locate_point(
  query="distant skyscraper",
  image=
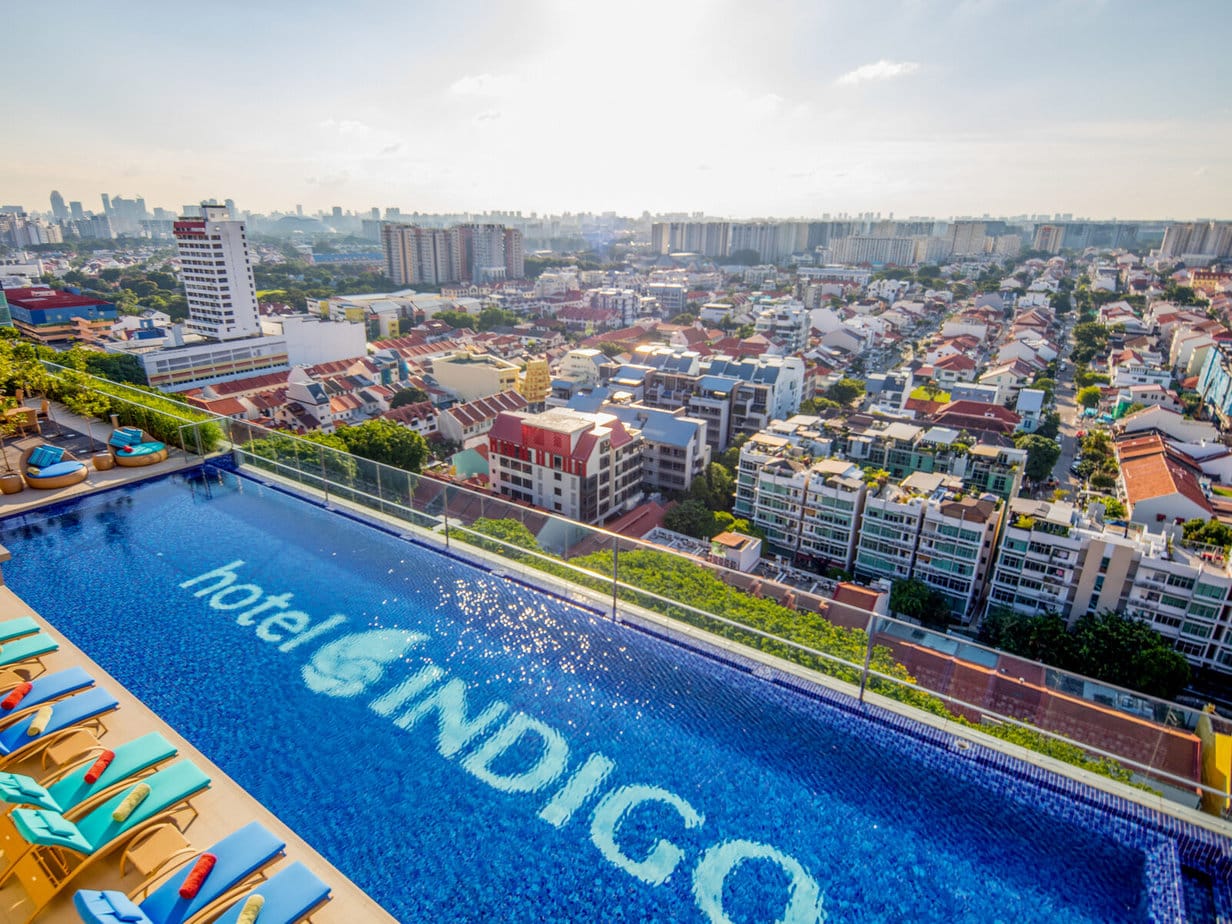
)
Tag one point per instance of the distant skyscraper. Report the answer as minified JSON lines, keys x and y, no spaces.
{"x":432,"y":256}
{"x":374,"y":214}
{"x":76,"y":211}
{"x":336,"y":212}
{"x":106,"y":204}
{"x":230,"y":204}
{"x":966,"y":237}
{"x":217,"y":273}
{"x":58,"y":209}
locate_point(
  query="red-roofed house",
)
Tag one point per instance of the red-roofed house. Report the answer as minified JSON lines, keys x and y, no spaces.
{"x":1159,"y":487}
{"x":584,"y":466}
{"x":976,"y":416}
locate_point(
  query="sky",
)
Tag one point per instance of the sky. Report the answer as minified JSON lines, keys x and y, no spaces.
{"x":789,"y":108}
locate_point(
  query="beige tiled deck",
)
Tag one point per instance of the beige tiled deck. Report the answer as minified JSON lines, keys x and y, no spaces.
{"x":222,"y":808}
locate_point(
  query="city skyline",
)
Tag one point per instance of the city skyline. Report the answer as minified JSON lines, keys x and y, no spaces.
{"x":807,"y":109}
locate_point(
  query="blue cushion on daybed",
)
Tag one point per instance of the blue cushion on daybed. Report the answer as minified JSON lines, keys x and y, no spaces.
{"x":45,"y":455}
{"x":60,"y":468}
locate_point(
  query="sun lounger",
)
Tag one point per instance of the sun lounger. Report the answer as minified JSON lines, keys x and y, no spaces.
{"x":29,"y":648}
{"x":71,"y":794}
{"x":15,"y":739}
{"x":290,"y":896}
{"x":16,"y":628}
{"x":46,"y":689}
{"x":240,"y":857}
{"x":58,"y":849}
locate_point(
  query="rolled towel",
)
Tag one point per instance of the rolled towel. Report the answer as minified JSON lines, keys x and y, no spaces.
{"x":196,"y":876}
{"x":16,"y":695}
{"x":252,"y":908}
{"x":135,"y":797}
{"x":97,"y":768}
{"x":38,"y":724}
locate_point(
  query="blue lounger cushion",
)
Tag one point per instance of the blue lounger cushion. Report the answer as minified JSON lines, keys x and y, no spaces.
{"x":49,"y":688}
{"x":168,"y":788}
{"x":55,"y":471}
{"x":65,"y":714}
{"x":289,"y":895}
{"x":108,"y":908}
{"x":27,"y":648}
{"x":16,"y":628}
{"x":239,"y":855}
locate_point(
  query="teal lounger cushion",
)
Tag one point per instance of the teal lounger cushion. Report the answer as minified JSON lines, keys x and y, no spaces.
{"x":21,"y":790}
{"x":56,"y":470}
{"x":16,"y":628}
{"x":44,"y":456}
{"x":27,"y":647}
{"x":131,"y":758}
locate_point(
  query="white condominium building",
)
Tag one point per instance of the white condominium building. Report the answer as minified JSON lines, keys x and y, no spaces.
{"x":217,"y":273}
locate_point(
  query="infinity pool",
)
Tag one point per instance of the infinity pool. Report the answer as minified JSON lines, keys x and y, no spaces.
{"x":466,"y":748}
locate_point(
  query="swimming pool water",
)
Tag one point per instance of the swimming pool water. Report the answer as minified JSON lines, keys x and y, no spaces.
{"x":585,"y":770}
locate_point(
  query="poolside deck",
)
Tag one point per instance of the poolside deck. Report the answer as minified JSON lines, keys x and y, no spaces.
{"x":223,"y":807}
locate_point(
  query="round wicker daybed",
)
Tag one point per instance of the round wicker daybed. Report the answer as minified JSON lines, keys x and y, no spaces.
{"x":60,"y":474}
{"x":132,"y":448}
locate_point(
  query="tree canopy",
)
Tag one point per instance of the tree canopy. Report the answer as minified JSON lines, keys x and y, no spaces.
{"x":382,"y":440}
{"x":411,"y":395}
{"x":845,"y":391}
{"x":1090,"y":396}
{"x":1042,"y":455}
{"x":913,"y":597}
{"x":1106,"y":646}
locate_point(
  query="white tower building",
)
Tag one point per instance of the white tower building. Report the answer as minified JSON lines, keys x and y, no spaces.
{"x":217,"y":273}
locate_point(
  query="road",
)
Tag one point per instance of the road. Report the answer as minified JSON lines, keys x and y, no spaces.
{"x":1067,"y":407}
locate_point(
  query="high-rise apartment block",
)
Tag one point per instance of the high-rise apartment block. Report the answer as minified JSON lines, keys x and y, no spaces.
{"x":217,"y":271}
{"x":966,"y":237}
{"x":927,"y":529}
{"x":438,"y":256}
{"x":1054,"y":559}
{"x":1198,"y":239}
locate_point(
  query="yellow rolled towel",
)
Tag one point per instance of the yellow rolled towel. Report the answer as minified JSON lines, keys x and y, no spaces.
{"x":135,"y":797}
{"x":38,"y":724}
{"x":252,"y":908}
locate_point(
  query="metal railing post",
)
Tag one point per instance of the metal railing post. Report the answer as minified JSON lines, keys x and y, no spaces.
{"x":445,"y":512}
{"x":615,"y":576}
{"x":324,"y":480}
{"x":868,"y":655}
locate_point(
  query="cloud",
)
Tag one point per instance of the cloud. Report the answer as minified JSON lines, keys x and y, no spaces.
{"x":490,"y":115}
{"x":881,"y":70}
{"x":345,"y":126}
{"x":484,"y":85}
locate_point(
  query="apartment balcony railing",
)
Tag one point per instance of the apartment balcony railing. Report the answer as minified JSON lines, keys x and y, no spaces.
{"x":1163,"y":745}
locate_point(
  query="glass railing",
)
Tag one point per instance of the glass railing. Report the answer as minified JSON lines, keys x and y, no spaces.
{"x":1182,"y":754}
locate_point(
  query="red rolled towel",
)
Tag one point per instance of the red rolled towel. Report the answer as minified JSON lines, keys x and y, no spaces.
{"x":196,"y":876}
{"x":97,"y":768}
{"x":17,"y":694}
